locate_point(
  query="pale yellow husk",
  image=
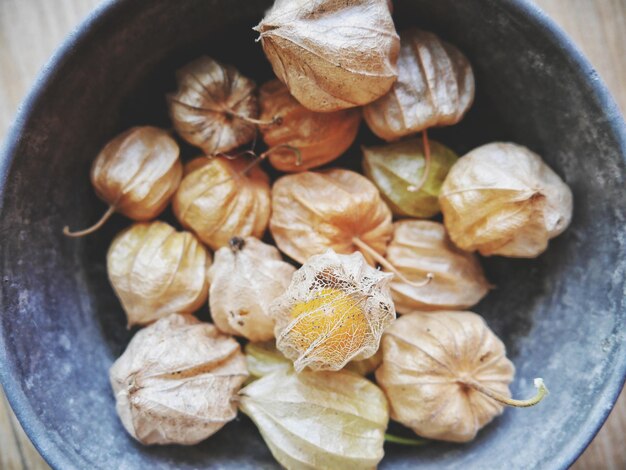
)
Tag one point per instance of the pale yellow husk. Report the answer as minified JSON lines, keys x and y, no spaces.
{"x":502,"y":199}
{"x":331,"y":54}
{"x":315,"y":211}
{"x":435,"y":87}
{"x":420,"y":247}
{"x":246,"y":277}
{"x":155,"y":271}
{"x":176,"y":381}
{"x":137,"y":172}
{"x":217,"y":201}
{"x":319,"y":420}
{"x":426,"y":358}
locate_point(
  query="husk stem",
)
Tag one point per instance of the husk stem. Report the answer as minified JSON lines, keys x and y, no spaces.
{"x":405,"y":441}
{"x":426,"y":143}
{"x":276,"y":120}
{"x":81,"y":233}
{"x":542,"y":391}
{"x":364,"y":247}
{"x":269,"y":151}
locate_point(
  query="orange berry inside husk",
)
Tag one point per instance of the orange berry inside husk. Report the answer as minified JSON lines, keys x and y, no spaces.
{"x":331,"y":326}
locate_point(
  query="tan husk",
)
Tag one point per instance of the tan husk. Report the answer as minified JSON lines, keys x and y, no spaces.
{"x":330,"y":420}
{"x":136,"y":173}
{"x":246,"y":277}
{"x":155,"y":270}
{"x":218,"y":201}
{"x":331,"y":55}
{"x":264,"y":358}
{"x":502,"y":199}
{"x":315,"y":211}
{"x":176,"y":381}
{"x":420,"y":247}
{"x":334,"y":311}
{"x":435,"y":87}
{"x":319,"y":137}
{"x":426,"y":358}
{"x":446,"y":374}
{"x":214,"y":107}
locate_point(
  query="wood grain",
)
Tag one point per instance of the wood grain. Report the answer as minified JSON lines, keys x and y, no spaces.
{"x":30,"y":30}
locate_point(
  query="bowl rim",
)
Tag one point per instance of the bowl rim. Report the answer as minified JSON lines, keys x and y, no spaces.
{"x":29,"y":420}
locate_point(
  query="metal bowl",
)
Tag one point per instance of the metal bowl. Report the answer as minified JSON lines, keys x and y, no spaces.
{"x":562,"y":315}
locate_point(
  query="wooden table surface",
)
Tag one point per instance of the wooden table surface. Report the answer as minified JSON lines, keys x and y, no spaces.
{"x":30,"y":30}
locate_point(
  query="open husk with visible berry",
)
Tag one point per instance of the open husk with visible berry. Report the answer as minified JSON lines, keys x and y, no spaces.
{"x":334,"y":311}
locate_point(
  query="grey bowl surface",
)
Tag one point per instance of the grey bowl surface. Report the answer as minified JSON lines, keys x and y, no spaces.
{"x":562,"y":316}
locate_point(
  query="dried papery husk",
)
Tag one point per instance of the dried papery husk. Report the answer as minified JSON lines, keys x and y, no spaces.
{"x":221,"y":198}
{"x":319,"y":137}
{"x":263,"y":358}
{"x":215,"y":107}
{"x":331,"y":55}
{"x":337,"y":209}
{"x":502,"y":199}
{"x":435,"y":87}
{"x":446,"y":374}
{"x":331,"y":420}
{"x":246,"y":277}
{"x":398,"y":168}
{"x":155,"y":270}
{"x":334,"y":311}
{"x":177,"y":380}
{"x":136,"y":173}
{"x":420,"y":247}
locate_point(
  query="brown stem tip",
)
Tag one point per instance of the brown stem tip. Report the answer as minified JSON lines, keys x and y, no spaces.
{"x":81,"y":233}
{"x":542,"y":392}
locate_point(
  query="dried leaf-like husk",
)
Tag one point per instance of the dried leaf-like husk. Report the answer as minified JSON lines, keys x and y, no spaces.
{"x":426,"y":359}
{"x":332,"y":55}
{"x":334,"y":311}
{"x":420,"y":247}
{"x":246,"y":277}
{"x":217,"y":201}
{"x":315,"y":211}
{"x":502,"y":199}
{"x":137,"y":172}
{"x":264,"y":358}
{"x":435,"y":87}
{"x":319,"y":420}
{"x":318,"y":138}
{"x":155,"y":271}
{"x":176,"y":381}
{"x":396,"y":168}
{"x":210,"y":106}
